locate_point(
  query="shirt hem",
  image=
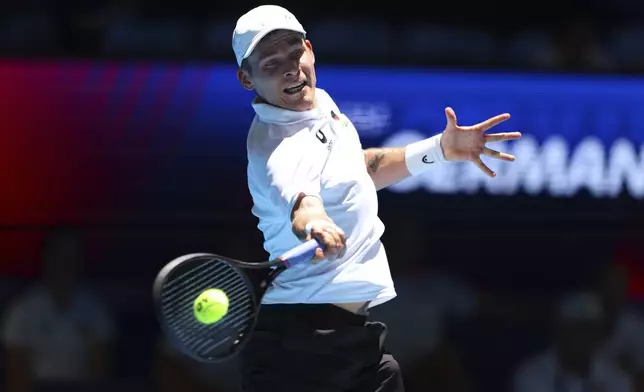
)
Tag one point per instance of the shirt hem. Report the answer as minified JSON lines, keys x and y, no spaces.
{"x":375,"y":299}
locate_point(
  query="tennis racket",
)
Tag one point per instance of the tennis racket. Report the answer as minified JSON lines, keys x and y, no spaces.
{"x":183,"y":279}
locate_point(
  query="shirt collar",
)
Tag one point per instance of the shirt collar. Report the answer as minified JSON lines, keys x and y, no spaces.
{"x":284,"y":122}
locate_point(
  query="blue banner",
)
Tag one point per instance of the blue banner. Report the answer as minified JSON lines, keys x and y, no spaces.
{"x":580,"y":132}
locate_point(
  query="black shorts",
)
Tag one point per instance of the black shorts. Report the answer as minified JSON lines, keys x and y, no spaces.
{"x":317,"y":348}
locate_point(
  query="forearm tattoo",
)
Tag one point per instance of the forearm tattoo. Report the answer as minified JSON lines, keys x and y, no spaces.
{"x":374,"y":161}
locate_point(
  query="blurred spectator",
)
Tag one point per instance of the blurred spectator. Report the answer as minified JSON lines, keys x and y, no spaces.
{"x":418,"y":322}
{"x":623,"y":328}
{"x":57,"y":331}
{"x":86,"y":23}
{"x":578,"y":47}
{"x":573,"y":362}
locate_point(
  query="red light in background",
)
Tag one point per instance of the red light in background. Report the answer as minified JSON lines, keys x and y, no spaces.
{"x":632,"y":258}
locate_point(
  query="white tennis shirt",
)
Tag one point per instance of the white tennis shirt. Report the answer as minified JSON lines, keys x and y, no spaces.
{"x":317,"y":152}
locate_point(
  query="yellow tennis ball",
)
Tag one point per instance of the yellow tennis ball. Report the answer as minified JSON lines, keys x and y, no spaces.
{"x":210,"y":306}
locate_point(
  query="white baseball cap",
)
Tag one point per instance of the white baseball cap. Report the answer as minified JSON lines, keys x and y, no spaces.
{"x":257,"y":23}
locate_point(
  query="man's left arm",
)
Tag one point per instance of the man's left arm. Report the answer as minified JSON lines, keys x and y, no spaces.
{"x":386,"y":166}
{"x":389,"y":165}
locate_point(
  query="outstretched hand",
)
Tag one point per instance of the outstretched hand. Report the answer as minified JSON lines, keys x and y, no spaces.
{"x":467,"y":143}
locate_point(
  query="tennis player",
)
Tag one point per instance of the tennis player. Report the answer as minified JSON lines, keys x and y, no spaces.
{"x":310,"y":178}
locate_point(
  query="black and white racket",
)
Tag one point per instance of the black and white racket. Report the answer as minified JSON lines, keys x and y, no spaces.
{"x":183,"y":279}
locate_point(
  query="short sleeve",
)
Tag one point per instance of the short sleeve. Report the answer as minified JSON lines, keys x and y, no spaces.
{"x":351,"y":130}
{"x":634,"y":340}
{"x":535,"y":374}
{"x":15,"y":325}
{"x":613,"y":378}
{"x":278,"y":179}
{"x":525,"y":381}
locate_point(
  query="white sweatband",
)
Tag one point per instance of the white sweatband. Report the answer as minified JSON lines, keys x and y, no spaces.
{"x":424,"y":155}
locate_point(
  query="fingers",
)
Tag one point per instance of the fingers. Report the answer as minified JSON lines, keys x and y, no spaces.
{"x":502,"y":137}
{"x":479,"y":145}
{"x":451,"y":117}
{"x":494,"y":154}
{"x":479,"y":163}
{"x":319,"y":256}
{"x":333,"y":241}
{"x":498,"y":155}
{"x":492,"y":122}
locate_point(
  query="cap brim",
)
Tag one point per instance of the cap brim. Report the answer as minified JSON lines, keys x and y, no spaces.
{"x":257,"y":38}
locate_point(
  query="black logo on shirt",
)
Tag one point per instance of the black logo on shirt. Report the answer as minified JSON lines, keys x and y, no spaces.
{"x":321,"y":136}
{"x":425,"y":160}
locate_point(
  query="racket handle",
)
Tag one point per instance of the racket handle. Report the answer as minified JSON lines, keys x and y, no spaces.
{"x":300,"y":253}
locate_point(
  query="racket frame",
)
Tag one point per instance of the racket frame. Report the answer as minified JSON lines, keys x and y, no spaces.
{"x":297,"y":255}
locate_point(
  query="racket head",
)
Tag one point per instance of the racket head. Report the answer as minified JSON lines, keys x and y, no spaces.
{"x":182,"y":280}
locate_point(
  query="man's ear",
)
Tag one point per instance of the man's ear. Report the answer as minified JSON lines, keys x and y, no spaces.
{"x":244,"y":79}
{"x":307,"y":43}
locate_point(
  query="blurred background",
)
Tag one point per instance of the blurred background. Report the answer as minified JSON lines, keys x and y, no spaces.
{"x":123,"y":146}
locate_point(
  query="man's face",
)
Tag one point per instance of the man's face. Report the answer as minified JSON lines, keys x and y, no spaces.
{"x":282,"y":71}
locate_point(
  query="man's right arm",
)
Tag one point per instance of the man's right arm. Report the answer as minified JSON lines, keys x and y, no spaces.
{"x":307,"y":209}
{"x":310,"y":220}
{"x":288,"y":182}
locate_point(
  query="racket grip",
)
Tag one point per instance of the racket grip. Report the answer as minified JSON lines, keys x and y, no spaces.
{"x":300,"y":253}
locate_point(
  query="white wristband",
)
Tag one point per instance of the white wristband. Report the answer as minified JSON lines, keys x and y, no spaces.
{"x":424,"y":155}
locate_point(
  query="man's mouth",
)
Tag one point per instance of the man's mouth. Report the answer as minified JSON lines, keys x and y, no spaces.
{"x":294,"y":89}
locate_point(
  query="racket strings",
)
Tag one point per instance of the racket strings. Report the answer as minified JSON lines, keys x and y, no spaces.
{"x":206,"y":338}
{"x":234,"y":318}
{"x":235,"y":291}
{"x":179,"y":293}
